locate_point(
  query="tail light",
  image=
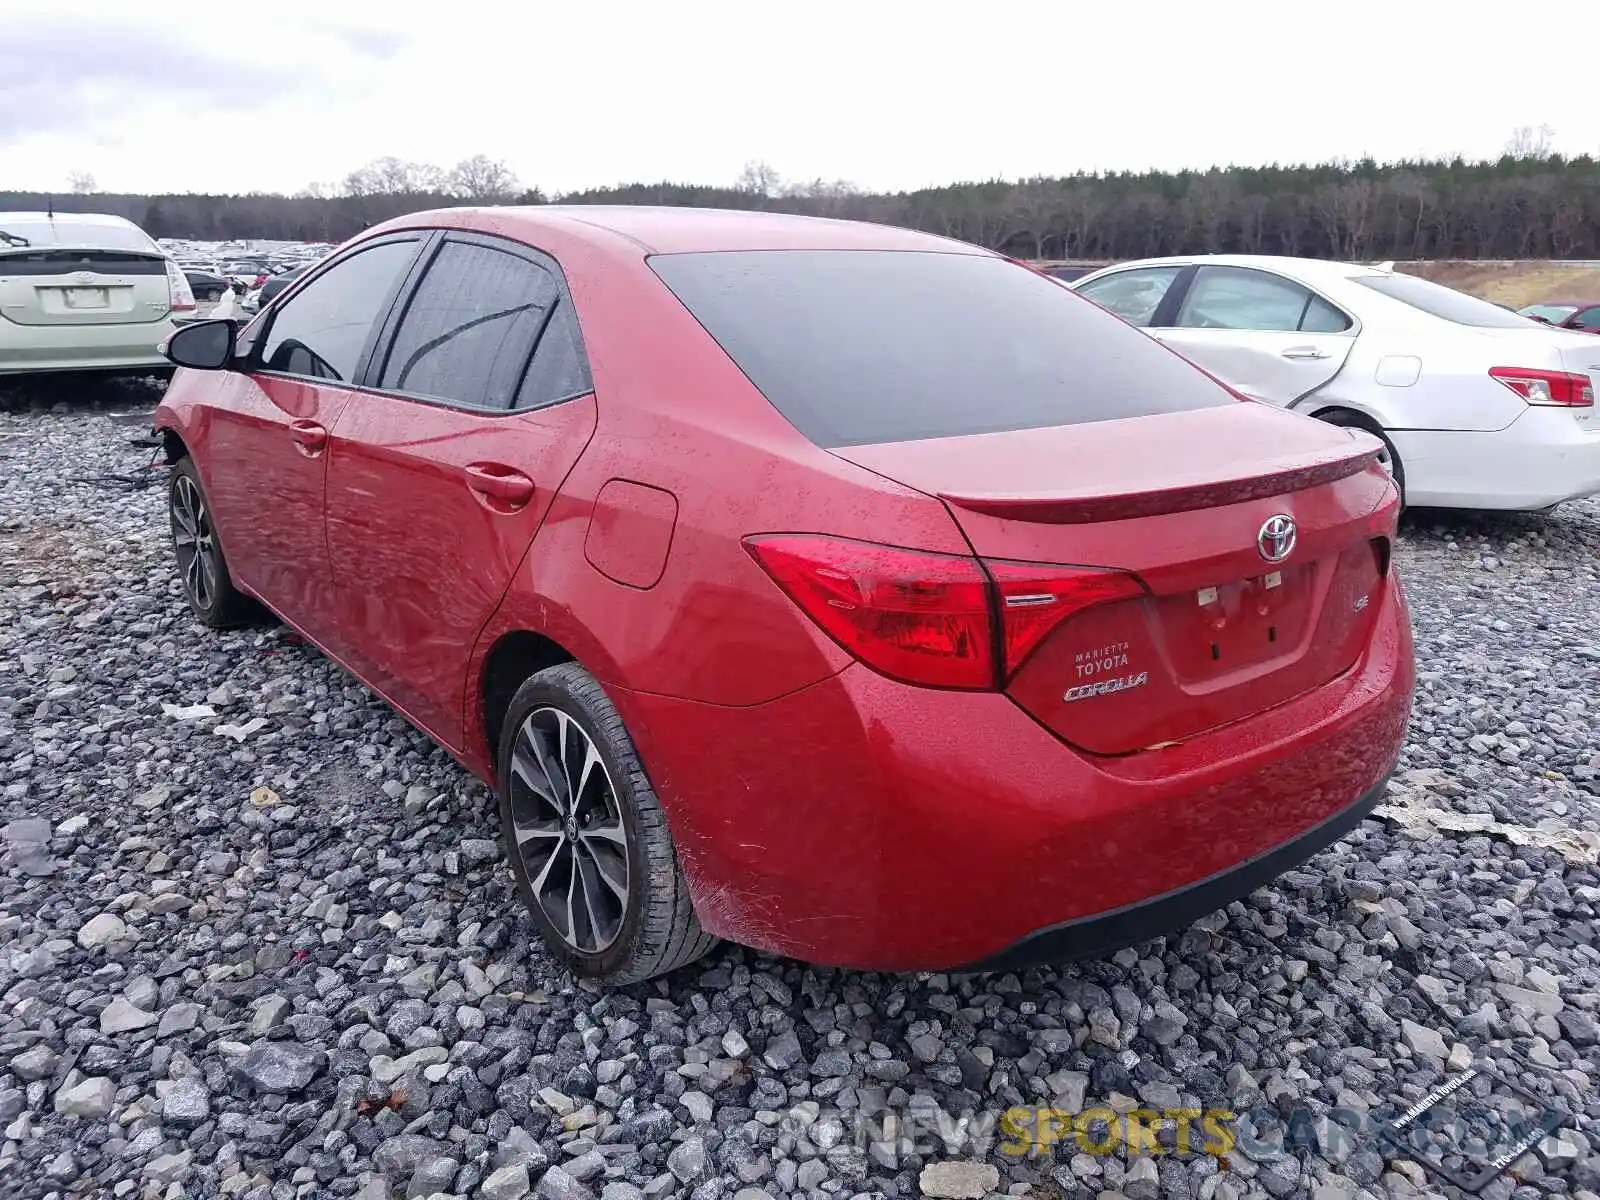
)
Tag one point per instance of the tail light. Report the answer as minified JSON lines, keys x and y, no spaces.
{"x":1557,"y":389}
{"x":937,"y":620}
{"x":179,"y":295}
{"x":1034,"y":598}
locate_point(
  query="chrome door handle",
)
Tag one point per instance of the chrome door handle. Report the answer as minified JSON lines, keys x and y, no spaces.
{"x":1304,"y":352}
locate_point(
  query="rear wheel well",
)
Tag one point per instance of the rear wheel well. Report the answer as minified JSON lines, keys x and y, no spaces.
{"x":513,"y":659}
{"x":1348,"y":416}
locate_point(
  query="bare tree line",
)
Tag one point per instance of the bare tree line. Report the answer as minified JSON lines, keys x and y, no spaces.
{"x":1528,"y":203}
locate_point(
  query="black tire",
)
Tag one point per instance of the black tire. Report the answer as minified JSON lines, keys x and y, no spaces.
{"x":202,"y":566}
{"x":654,"y":929}
{"x":1349,"y":420}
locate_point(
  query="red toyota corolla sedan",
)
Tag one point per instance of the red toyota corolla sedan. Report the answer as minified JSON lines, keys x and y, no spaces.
{"x":840,"y":590}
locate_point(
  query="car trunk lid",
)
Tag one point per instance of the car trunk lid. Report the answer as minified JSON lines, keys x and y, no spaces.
{"x":62,"y":285}
{"x":1210,"y":630}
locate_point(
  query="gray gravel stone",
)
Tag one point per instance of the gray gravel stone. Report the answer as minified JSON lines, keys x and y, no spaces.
{"x":88,"y":1098}
{"x":689,"y":1161}
{"x":316,"y":920}
{"x":1424,"y":1041}
{"x":398,"y":1156}
{"x":280,"y":1066}
{"x":36,"y":1063}
{"x":168,"y":1168}
{"x":556,"y":1184}
{"x":120,"y":1016}
{"x":101,"y":930}
{"x":959,"y":1180}
{"x":433,"y":1174}
{"x":186,"y":1104}
{"x":506,"y":1183}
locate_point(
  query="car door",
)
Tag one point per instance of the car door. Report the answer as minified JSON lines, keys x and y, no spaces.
{"x":1270,"y":337}
{"x":440,"y":471}
{"x":266,"y":441}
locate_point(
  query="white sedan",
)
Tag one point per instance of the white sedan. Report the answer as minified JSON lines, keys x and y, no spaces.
{"x":1478,"y":407}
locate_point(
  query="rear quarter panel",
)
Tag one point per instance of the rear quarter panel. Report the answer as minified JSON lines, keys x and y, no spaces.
{"x":676,"y":415}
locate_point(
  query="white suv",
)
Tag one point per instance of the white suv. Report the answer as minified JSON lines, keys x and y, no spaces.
{"x":84,"y":292}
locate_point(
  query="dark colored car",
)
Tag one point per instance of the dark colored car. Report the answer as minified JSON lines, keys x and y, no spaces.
{"x":840,"y":590}
{"x":207,"y":286}
{"x":1582,"y":315}
{"x":277,"y":283}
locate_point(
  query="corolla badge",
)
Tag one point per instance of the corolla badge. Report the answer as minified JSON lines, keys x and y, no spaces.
{"x":1276,"y":538}
{"x":1105,"y":687}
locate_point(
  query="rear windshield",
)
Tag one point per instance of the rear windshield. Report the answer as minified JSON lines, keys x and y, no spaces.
{"x":64,"y":231}
{"x":857,"y":347}
{"x":1445,"y":303}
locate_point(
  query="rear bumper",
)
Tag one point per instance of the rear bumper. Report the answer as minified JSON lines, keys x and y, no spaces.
{"x":1542,"y":458}
{"x":28,"y":349}
{"x":1168,"y":913}
{"x":863,"y":823}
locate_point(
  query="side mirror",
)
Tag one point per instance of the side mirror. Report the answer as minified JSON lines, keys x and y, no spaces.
{"x":203,"y":345}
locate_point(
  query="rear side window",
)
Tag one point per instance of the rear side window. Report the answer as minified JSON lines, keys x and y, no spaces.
{"x":559,"y":370}
{"x":321,"y":330}
{"x":1247,"y":299}
{"x":1445,"y":303}
{"x":856,"y":347}
{"x":470,"y":326}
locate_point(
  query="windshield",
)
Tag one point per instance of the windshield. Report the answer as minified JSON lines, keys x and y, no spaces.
{"x":1445,"y":303}
{"x":857,"y":347}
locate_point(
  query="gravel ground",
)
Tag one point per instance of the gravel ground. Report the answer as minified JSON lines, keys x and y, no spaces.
{"x":268,"y":950}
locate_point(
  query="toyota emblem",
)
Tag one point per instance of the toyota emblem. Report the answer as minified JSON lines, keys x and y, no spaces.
{"x":1276,"y":539}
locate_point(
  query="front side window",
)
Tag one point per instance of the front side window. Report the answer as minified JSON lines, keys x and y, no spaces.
{"x":470,"y":326}
{"x":321,"y":331}
{"x":1246,"y":299}
{"x":1589,"y":318}
{"x":1133,"y":295}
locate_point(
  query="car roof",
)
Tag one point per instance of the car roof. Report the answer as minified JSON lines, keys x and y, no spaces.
{"x":1310,"y":270}
{"x":36,"y":219}
{"x":1562,"y":304}
{"x":41,"y":229}
{"x":673,"y":230}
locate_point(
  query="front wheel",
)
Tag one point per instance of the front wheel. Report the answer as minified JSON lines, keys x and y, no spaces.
{"x":201,"y":564}
{"x":1389,"y":458}
{"x":586,"y":836}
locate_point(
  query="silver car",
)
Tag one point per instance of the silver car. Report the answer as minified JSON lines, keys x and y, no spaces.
{"x":85,"y":292}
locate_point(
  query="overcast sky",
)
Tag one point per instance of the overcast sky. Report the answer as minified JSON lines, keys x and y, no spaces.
{"x":273,"y":96}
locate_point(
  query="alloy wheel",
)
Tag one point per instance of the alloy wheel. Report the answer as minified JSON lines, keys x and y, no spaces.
{"x":569,"y":830}
{"x":195,"y":542}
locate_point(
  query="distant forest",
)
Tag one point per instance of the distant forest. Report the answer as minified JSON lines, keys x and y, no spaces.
{"x":1529,"y":203}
